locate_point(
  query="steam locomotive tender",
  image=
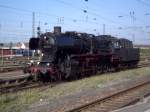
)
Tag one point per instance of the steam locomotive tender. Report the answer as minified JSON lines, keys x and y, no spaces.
{"x":73,"y":55}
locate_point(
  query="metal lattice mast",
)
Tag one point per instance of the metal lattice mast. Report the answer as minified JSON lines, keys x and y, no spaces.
{"x":33,"y":24}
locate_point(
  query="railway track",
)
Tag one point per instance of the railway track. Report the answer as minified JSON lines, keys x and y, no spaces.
{"x":144,"y":58}
{"x":10,"y":85}
{"x":21,"y":83}
{"x":10,"y":68}
{"x":15,"y":85}
{"x":24,"y":86}
{"x":118,"y":100}
{"x":140,"y":65}
{"x":15,"y":64}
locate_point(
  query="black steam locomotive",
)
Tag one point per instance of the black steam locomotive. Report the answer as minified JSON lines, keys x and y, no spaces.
{"x":74,"y":55}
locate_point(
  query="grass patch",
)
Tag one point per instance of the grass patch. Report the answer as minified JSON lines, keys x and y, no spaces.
{"x":145,"y":52}
{"x":19,"y":102}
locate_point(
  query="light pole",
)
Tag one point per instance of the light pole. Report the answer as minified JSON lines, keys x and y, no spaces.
{"x":10,"y":47}
{"x":104,"y":26}
{"x":86,"y":11}
{"x":46,"y":26}
{"x":28,"y":50}
{"x":2,"y":61}
{"x":132,"y":15}
{"x":60,"y":20}
{"x":2,"y":55}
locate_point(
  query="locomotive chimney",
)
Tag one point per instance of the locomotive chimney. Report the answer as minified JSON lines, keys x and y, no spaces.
{"x":57,"y":30}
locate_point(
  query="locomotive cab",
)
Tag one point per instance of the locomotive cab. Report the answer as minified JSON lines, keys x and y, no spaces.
{"x":107,"y":44}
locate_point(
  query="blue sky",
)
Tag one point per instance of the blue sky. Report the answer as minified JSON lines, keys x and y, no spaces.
{"x":122,"y":18}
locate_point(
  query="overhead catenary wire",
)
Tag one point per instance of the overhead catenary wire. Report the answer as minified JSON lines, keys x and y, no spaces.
{"x":45,"y":14}
{"x":95,"y":15}
{"x":42,"y":13}
{"x":67,"y":18}
{"x":88,"y":11}
{"x":98,"y":15}
{"x":144,"y":3}
{"x":123,"y":14}
{"x":74,"y":20}
{"x":66,"y":3}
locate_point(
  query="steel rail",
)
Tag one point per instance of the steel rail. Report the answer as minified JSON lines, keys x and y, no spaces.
{"x":117,"y":100}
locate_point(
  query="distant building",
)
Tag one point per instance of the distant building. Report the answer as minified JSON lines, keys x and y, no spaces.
{"x":13,"y":49}
{"x":21,"y":45}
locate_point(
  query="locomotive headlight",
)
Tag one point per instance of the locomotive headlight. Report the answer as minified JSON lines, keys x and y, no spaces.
{"x":38,"y":63}
{"x":31,"y":61}
{"x":44,"y":37}
{"x":48,"y":64}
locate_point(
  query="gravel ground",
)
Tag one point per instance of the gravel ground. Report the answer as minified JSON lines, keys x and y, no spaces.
{"x":69,"y":102}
